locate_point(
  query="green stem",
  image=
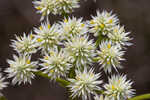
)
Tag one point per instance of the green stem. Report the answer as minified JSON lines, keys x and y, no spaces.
{"x":61,"y":81}
{"x":3,"y":98}
{"x":141,"y":97}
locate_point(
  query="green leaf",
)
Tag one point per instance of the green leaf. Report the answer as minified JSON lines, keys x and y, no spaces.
{"x":3,"y":98}
{"x":141,"y":97}
{"x":61,"y":81}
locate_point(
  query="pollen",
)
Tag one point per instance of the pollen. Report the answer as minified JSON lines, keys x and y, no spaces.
{"x":82,"y":25}
{"x":110,"y":21}
{"x":28,"y":61}
{"x":92,"y":22}
{"x":46,"y":57}
{"x":102,"y":25}
{"x":108,"y":45}
{"x":39,"y":40}
{"x":49,"y":26}
{"x":40,"y":27}
{"x":113,"y":87}
{"x":51,"y":71}
{"x":65,"y":20}
{"x":38,"y":8}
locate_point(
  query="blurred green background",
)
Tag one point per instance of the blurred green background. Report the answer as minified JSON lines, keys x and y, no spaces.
{"x":18,"y":16}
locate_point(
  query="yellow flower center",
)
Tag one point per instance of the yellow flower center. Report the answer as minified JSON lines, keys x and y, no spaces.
{"x":28,"y":61}
{"x":49,"y":26}
{"x":39,"y":40}
{"x":38,"y":8}
{"x":40,"y":27}
{"x":108,"y":45}
{"x":92,"y":22}
{"x":82,"y":25}
{"x":65,"y":20}
{"x":102,"y":25}
{"x":110,"y":21}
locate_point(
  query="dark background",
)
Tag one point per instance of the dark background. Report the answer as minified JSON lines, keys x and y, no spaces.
{"x":18,"y":16}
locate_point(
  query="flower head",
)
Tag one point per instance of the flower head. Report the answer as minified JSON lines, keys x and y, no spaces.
{"x":102,"y":23}
{"x":101,"y":97}
{"x":25,"y":45}
{"x":47,"y":36}
{"x":2,"y":84}
{"x":56,"y":64}
{"x":21,"y":69}
{"x":81,"y":50}
{"x":73,"y":27}
{"x":119,"y":88}
{"x":109,"y":55}
{"x":119,"y":36}
{"x":84,"y":84}
{"x":45,"y":7}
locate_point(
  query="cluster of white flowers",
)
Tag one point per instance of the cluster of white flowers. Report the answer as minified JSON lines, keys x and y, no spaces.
{"x":69,"y":52}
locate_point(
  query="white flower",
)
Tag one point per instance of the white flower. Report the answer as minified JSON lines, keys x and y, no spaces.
{"x":84,"y":84}
{"x":56,"y":64}
{"x":119,"y":88}
{"x":25,"y":45}
{"x":47,"y":36}
{"x":2,"y":84}
{"x":21,"y":69}
{"x":73,"y":27}
{"x":109,"y":56}
{"x":102,"y":23}
{"x":118,"y":35}
{"x":55,"y":6}
{"x":101,"y":97}
{"x":81,"y":50}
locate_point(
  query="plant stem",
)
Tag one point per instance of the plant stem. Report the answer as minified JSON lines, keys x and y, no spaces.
{"x":61,"y":81}
{"x":3,"y":98}
{"x":141,"y":97}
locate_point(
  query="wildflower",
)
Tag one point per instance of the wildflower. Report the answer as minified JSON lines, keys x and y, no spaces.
{"x":119,"y":36}
{"x":2,"y":84}
{"x":56,"y":63}
{"x":101,"y":97}
{"x":73,"y":27}
{"x":103,"y":23}
{"x":24,"y":45}
{"x":81,"y":50}
{"x":45,"y":7}
{"x":84,"y":84}
{"x":21,"y":69}
{"x":119,"y":88}
{"x":47,"y":36}
{"x":109,"y":56}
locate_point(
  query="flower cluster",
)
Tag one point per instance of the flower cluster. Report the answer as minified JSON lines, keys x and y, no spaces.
{"x":21,"y":69}
{"x":81,"y":50}
{"x":56,"y":63}
{"x":119,"y":88}
{"x":85,"y":82}
{"x":73,"y":27}
{"x":109,"y":55}
{"x":45,"y":7}
{"x":25,"y":44}
{"x":47,"y":36}
{"x":69,"y":54}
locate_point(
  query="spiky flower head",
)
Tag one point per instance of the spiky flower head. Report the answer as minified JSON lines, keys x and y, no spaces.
{"x":84,"y":84}
{"x":73,"y":27}
{"x":56,"y":64}
{"x":103,"y":23}
{"x":81,"y":50}
{"x":47,"y":36}
{"x":119,"y":88}
{"x":2,"y":84}
{"x":101,"y":97}
{"x":25,"y":45}
{"x":109,"y":56}
{"x":119,"y":36}
{"x":21,"y":69}
{"x":45,"y":7}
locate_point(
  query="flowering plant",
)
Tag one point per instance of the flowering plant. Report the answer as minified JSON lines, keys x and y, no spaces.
{"x":70,"y":49}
